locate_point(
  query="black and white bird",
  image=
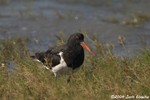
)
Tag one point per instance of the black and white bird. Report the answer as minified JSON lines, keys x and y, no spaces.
{"x":67,"y":56}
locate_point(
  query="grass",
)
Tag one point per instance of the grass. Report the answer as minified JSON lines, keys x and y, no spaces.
{"x":4,"y":2}
{"x":97,"y":79}
{"x":136,"y":19}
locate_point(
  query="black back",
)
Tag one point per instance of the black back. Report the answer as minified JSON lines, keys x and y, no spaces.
{"x":73,"y":53}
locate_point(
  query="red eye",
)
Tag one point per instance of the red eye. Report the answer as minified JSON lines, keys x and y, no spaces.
{"x":77,"y":37}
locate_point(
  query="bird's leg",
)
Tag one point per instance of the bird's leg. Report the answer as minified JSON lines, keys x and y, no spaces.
{"x":68,"y":79}
{"x":70,"y":76}
{"x":55,"y":74}
{"x":56,"y":78}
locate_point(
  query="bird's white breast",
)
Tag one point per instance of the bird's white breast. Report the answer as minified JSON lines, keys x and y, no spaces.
{"x":61,"y":67}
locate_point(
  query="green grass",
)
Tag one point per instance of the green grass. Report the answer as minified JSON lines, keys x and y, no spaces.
{"x":97,"y":79}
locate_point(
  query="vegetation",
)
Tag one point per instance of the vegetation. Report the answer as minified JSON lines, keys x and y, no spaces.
{"x":3,"y":2}
{"x":98,"y":78}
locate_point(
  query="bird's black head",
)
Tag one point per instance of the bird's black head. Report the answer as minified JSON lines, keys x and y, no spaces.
{"x":75,"y":39}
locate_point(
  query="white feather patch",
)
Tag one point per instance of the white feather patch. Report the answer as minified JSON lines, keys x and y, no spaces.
{"x":60,"y":67}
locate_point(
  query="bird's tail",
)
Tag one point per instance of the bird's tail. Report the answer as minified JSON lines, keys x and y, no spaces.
{"x":33,"y":57}
{"x":39,"y":56}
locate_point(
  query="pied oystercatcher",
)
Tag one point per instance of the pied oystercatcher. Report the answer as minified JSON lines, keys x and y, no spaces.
{"x":69,"y":55}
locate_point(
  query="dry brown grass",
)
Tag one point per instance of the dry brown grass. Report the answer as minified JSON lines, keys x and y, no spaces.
{"x":97,"y":79}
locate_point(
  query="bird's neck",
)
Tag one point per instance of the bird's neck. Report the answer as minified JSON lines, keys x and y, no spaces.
{"x":77,"y":49}
{"x":73,"y":46}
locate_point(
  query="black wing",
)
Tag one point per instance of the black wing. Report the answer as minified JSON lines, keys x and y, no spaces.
{"x":55,"y":50}
{"x":40,"y":56}
{"x":52,"y":54}
{"x":50,"y":57}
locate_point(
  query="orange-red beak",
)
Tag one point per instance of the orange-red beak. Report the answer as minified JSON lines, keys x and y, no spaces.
{"x":87,"y":48}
